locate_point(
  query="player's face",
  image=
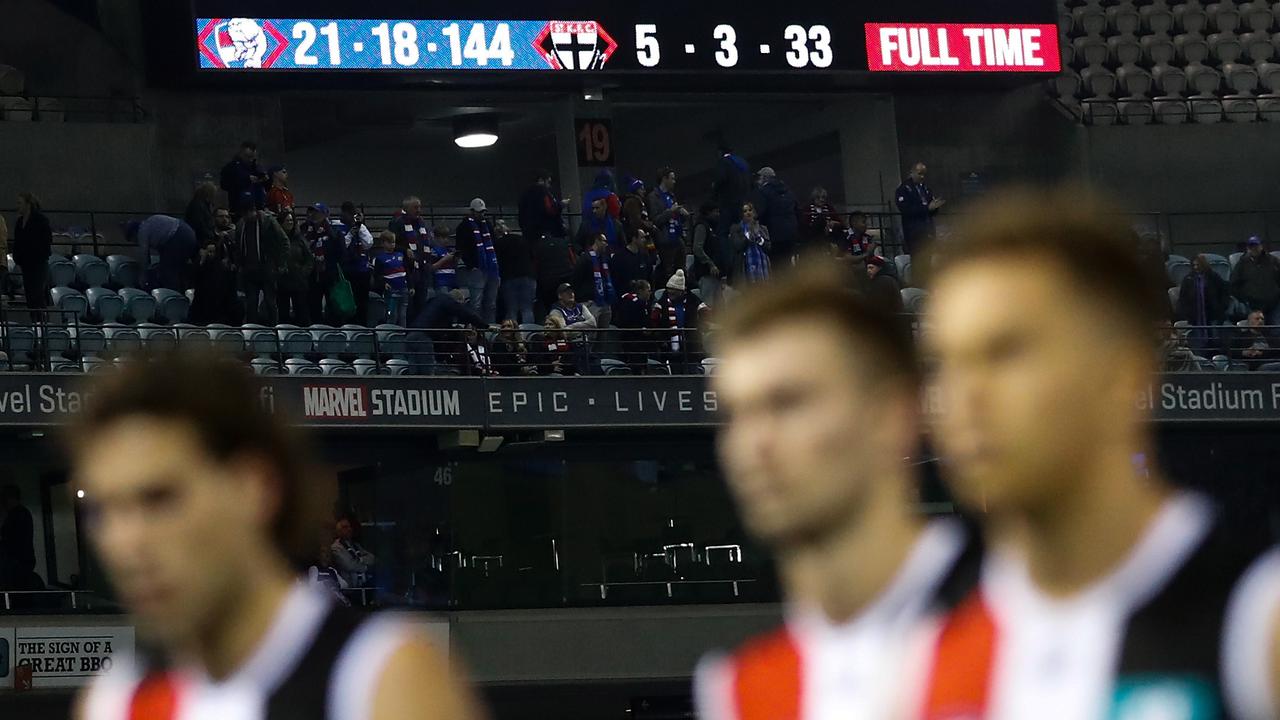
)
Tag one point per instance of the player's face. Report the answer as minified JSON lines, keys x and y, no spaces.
{"x":173,"y":527}
{"x":1030,"y":378}
{"x":793,"y":449}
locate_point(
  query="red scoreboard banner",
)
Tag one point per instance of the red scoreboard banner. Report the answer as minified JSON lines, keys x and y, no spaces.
{"x":962,"y":47}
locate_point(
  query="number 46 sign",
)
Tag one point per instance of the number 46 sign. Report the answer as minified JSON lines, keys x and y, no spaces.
{"x":595,"y":143}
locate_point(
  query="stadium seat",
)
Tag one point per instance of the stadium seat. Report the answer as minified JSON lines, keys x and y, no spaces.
{"x":1190,"y":18}
{"x":1124,"y":50}
{"x":1269,"y":107}
{"x":1100,"y":112}
{"x":392,"y":340}
{"x":157,"y":337}
{"x":67,"y":367}
{"x":1240,"y":108}
{"x":328,"y":341}
{"x":329,"y":366}
{"x":124,"y":271}
{"x":227,"y":338}
{"x":360,"y":341}
{"x":294,"y":341}
{"x":913,"y":300}
{"x":1234,"y":259}
{"x":57,"y":341}
{"x":1258,"y":47}
{"x":1269,"y":367}
{"x":138,"y":305}
{"x":377,"y":310}
{"x":657,"y":367}
{"x":1171,"y":81}
{"x":1099,"y":82}
{"x":105,"y":305}
{"x":265,"y":366}
{"x":1241,"y":78}
{"x":70,"y":303}
{"x":1177,"y":268}
{"x":710,"y":366}
{"x":365,"y":366}
{"x":1158,"y":49}
{"x":1171,"y":110}
{"x":1269,"y":76}
{"x":1223,"y":16}
{"x":1124,"y":19}
{"x":260,"y":340}
{"x":1275,"y":254}
{"x":62,"y":272}
{"x":1089,"y":20}
{"x":1090,"y":51}
{"x":20,"y":343}
{"x":1256,"y":16}
{"x":1157,"y":19}
{"x":1136,"y":111}
{"x":122,"y":339}
{"x":172,"y":306}
{"x":903,"y":265}
{"x":1220,"y":265}
{"x":1204,"y":80}
{"x":89,"y":340}
{"x":91,"y":270}
{"x":191,"y":337}
{"x":398,"y":367}
{"x":613,"y":366}
{"x":1134,"y":81}
{"x":1192,"y":49}
{"x":1225,"y":47}
{"x":94,"y":364}
{"x":1066,"y":85}
{"x":298,"y":366}
{"x":1174,"y":292}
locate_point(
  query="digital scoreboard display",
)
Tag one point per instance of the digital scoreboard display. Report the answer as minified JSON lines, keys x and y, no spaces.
{"x":1013,"y":36}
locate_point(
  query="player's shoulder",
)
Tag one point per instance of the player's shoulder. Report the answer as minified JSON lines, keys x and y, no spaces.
{"x":766,"y":663}
{"x":377,"y":650}
{"x":109,"y":696}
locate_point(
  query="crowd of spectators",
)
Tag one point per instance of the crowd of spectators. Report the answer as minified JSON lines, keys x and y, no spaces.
{"x":1250,"y":298}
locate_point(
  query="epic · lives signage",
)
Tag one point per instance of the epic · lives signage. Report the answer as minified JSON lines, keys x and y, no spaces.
{"x":949,"y":47}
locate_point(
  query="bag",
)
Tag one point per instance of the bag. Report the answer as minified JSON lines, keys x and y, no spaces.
{"x":342,"y":302}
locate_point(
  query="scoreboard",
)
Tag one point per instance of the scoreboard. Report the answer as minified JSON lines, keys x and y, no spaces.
{"x":709,"y":37}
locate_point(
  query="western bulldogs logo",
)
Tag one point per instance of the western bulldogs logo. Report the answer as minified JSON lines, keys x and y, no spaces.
{"x":575,"y":45}
{"x":241,"y":43}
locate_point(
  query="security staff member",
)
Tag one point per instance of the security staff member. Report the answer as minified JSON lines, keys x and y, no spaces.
{"x":917,"y":205}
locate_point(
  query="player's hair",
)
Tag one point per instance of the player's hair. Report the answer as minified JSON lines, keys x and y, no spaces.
{"x":1082,"y":237}
{"x":881,"y":341}
{"x":218,"y":399}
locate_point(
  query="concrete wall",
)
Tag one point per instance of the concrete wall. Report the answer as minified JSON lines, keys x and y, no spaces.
{"x":79,"y":165}
{"x":79,"y":61}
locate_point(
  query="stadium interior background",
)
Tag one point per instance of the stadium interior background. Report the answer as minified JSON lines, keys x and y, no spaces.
{"x":579,"y":572}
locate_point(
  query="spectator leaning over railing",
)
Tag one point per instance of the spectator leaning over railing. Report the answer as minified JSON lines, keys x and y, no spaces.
{"x":515,"y":263}
{"x":1203,"y":301}
{"x":327,"y":251}
{"x":32,"y":246}
{"x":172,"y":242}
{"x":1256,"y":344}
{"x":392,"y":270}
{"x":200,"y":212}
{"x":751,"y":246}
{"x":593,"y":281}
{"x":260,"y":245}
{"x":357,"y":247}
{"x":299,"y":266}
{"x":1255,"y":280}
{"x":279,"y":196}
{"x":541,"y":213}
{"x":475,"y":249}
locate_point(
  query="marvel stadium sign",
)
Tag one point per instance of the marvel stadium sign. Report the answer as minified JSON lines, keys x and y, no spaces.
{"x":453,"y":403}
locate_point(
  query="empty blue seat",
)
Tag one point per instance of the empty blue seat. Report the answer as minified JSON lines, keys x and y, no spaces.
{"x":70,"y":304}
{"x":121,"y":339}
{"x":20,"y":343}
{"x":364,"y":366}
{"x":336,"y":367}
{"x":360,"y":340}
{"x":124,"y":271}
{"x":157,"y":338}
{"x":377,"y":310}
{"x":294,"y":341}
{"x":266,"y":366}
{"x":61,"y":271}
{"x":105,"y":305}
{"x":227,"y":338}
{"x":91,"y":270}
{"x":171,"y":305}
{"x":328,"y":341}
{"x":913,"y":300}
{"x":139,"y":307}
{"x":89,"y":340}
{"x":298,"y":366}
{"x":57,"y":341}
{"x":261,"y":340}
{"x":193,"y":338}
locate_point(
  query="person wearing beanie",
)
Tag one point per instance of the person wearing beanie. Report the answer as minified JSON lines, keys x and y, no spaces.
{"x":676,"y":312}
{"x":1255,"y":280}
{"x":882,"y":288}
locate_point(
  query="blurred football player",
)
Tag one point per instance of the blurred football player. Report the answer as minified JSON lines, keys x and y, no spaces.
{"x":200,"y":510}
{"x":1106,"y":593}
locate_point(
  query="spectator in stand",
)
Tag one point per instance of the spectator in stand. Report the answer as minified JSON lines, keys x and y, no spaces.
{"x":576,"y":316}
{"x":675,"y":313}
{"x":519,"y":284}
{"x":279,"y":196}
{"x":200,"y":213}
{"x":553,"y":259}
{"x":730,"y":188}
{"x":327,"y":251}
{"x":350,"y":557}
{"x":1202,"y":301}
{"x":820,"y":225}
{"x":510,"y":353}
{"x":710,"y":261}
{"x":1256,"y":344}
{"x":172,"y":242}
{"x":244,"y":180}
{"x":553,"y":354}
{"x":604,"y":188}
{"x":882,"y":290}
{"x":223,"y":226}
{"x":777,"y":210}
{"x":440,"y":313}
{"x":17,"y":543}
{"x":917,"y":205}
{"x":635,"y":211}
{"x":541,"y":213}
{"x":672,"y":221}
{"x":632,"y":310}
{"x":32,"y":246}
{"x":439,"y":268}
{"x":217,"y":300}
{"x":413,"y":233}
{"x":1255,"y":281}
{"x":593,"y":280}
{"x":751,"y":245}
{"x":391,"y":267}
{"x":599,"y":222}
{"x":477,"y":361}
{"x":260,"y":246}
{"x":476,"y":250}
{"x":4,"y":251}
{"x":1174,"y":353}
{"x":357,"y":243}
{"x":855,"y":247}
{"x":299,"y":266}
{"x":633,"y":261}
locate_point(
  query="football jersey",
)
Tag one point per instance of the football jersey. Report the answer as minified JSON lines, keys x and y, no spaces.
{"x":316,"y":662}
{"x":813,"y":669}
{"x":1180,"y":630}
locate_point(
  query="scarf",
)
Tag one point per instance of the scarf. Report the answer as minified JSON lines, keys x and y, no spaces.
{"x":675,"y":226}
{"x":676,"y":314}
{"x":487,"y":256}
{"x":757,"y":262}
{"x":480,"y":359}
{"x":605,"y":293}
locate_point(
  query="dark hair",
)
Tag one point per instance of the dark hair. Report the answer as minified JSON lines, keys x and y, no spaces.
{"x":249,"y":145}
{"x":639,"y":284}
{"x":856,"y":214}
{"x":707,"y":208}
{"x":663,"y":173}
{"x":30,"y":199}
{"x":348,"y":207}
{"x":218,"y":398}
{"x":542,"y":175}
{"x":884,"y":343}
{"x":1071,"y":228}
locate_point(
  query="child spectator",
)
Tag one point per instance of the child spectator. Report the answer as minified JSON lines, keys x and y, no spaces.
{"x":389,"y":266}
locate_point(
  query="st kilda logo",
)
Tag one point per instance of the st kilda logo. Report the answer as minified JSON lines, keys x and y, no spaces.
{"x":575,"y":45}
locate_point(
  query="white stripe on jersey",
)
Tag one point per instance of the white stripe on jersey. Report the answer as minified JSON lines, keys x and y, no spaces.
{"x":359,"y":667}
{"x":1250,"y":630}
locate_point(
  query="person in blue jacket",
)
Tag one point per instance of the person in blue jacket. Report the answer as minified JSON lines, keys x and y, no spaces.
{"x":917,"y":205}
